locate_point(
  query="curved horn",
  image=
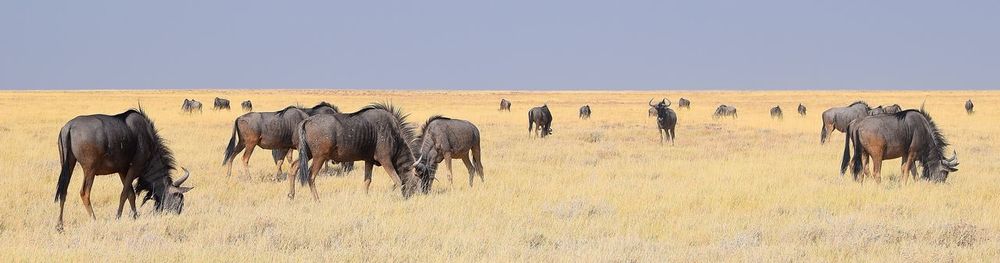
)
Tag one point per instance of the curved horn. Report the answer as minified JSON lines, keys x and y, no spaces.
{"x":420,"y":158}
{"x":183,"y":178}
{"x":954,"y":156}
{"x":651,"y":103}
{"x":667,"y":101}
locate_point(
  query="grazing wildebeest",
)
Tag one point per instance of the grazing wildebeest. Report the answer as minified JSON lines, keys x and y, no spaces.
{"x":968,"y":107}
{"x":585,"y":112}
{"x":541,"y":117}
{"x":504,"y":105}
{"x":838,"y":118}
{"x":652,"y":112}
{"x":247,"y":106}
{"x":776,"y":113}
{"x":444,"y":139}
{"x":126,"y":144}
{"x":378,"y":134}
{"x":723,"y":111}
{"x":802,"y":110}
{"x":221,"y":104}
{"x":666,"y":120}
{"x":910,"y":134}
{"x":190,"y":106}
{"x":683,"y":104}
{"x":273,"y":131}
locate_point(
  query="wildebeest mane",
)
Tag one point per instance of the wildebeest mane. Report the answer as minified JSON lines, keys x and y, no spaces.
{"x":161,"y":159}
{"x":858,"y":102}
{"x":406,"y":129}
{"x":419,"y":139}
{"x":324,"y":104}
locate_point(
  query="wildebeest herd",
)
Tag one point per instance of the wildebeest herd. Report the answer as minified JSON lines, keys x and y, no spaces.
{"x":379,"y":135}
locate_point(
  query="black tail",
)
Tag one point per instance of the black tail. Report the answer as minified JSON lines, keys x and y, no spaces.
{"x":847,"y":152}
{"x":823,"y":133}
{"x":858,"y":155}
{"x":231,"y":149}
{"x":68,"y":163}
{"x":303,"y":155}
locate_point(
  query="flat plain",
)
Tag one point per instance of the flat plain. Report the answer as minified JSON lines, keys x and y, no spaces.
{"x":603,"y":189}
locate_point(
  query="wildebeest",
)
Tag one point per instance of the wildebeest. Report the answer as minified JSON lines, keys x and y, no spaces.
{"x":190,"y":106}
{"x":910,"y":134}
{"x":885,"y":109}
{"x":724,"y":111}
{"x":444,"y":139}
{"x":838,"y":118}
{"x":221,"y":104}
{"x":683,"y":104}
{"x":273,"y":131}
{"x":968,"y":107}
{"x":802,"y":110}
{"x":127,"y":144}
{"x":666,"y":120}
{"x":585,"y":112}
{"x":378,"y":134}
{"x":247,"y":106}
{"x":504,"y":105}
{"x":776,"y":112}
{"x":542,"y":118}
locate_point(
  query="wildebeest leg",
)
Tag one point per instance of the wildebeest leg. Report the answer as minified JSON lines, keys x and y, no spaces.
{"x":531,"y":125}
{"x":468,"y":165}
{"x":477,"y":158}
{"x":121,"y":201}
{"x":391,"y":170}
{"x":672,"y":131}
{"x":877,"y":167}
{"x":368,"y":175}
{"x":279,"y":159}
{"x":447,"y":163}
{"x":246,"y":158}
{"x":313,"y":171}
{"x":128,"y":192}
{"x":88,"y":183}
{"x":659,"y":133}
{"x":239,"y":147}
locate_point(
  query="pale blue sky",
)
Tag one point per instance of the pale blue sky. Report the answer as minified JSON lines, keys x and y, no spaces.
{"x":565,"y":44}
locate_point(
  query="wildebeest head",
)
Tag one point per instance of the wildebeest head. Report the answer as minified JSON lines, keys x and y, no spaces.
{"x":660,"y":106}
{"x":938,"y":171}
{"x":426,"y":167}
{"x":169,"y":196}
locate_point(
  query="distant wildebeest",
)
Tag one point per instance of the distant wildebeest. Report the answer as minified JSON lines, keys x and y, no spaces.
{"x":444,"y":139}
{"x":504,"y":105}
{"x":190,"y":106}
{"x":683,"y":104}
{"x":910,"y":134}
{"x":273,"y":131}
{"x":585,"y":112}
{"x":221,"y":104}
{"x":838,"y":118}
{"x":968,"y":107}
{"x":541,"y":119}
{"x":666,"y":120}
{"x":247,"y":106}
{"x":885,"y":109}
{"x":126,"y":144}
{"x":378,"y":134}
{"x":776,"y":113}
{"x":652,"y":112}
{"x":802,"y":110}
{"x":724,"y":111}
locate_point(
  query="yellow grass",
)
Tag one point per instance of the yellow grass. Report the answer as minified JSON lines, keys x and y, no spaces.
{"x":602,"y":189}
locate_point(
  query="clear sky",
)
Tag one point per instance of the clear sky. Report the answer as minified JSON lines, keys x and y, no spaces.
{"x":510,"y":44}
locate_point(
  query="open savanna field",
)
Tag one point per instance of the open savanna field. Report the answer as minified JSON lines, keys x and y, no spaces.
{"x":602,"y":189}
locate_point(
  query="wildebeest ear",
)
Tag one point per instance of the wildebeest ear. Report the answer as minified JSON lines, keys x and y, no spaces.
{"x":184,"y":189}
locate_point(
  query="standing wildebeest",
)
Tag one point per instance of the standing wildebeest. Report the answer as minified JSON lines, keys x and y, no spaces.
{"x":126,"y":144}
{"x":273,"y":131}
{"x":666,"y":120}
{"x":541,"y":117}
{"x":885,"y":109}
{"x":838,"y":118}
{"x":247,"y":106}
{"x":802,"y":110}
{"x":968,"y":107}
{"x":504,"y":105}
{"x":378,"y":134}
{"x":190,"y":106}
{"x":723,"y":111}
{"x":776,"y":113}
{"x":910,"y":134}
{"x":684,"y":104}
{"x":444,"y":139}
{"x":221,"y":104}
{"x":585,"y":112}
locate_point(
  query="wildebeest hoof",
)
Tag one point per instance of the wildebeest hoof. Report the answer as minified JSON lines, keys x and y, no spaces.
{"x":59,"y":228}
